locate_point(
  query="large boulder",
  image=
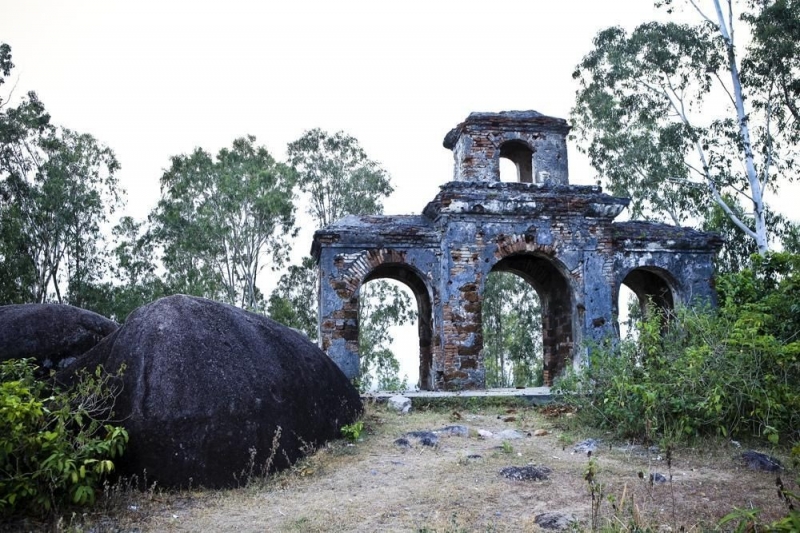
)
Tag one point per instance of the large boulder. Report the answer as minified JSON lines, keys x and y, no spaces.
{"x":208,"y":389}
{"x":53,"y":334}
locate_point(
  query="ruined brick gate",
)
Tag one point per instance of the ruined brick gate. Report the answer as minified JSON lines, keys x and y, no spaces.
{"x":560,"y":238}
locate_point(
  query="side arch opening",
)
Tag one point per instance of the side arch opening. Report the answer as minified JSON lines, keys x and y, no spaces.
{"x":555,"y":302}
{"x":644,"y":290}
{"x":386,"y":280}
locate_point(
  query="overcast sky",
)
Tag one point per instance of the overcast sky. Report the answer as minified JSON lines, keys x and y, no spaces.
{"x":152,"y":79}
{"x":156,"y":79}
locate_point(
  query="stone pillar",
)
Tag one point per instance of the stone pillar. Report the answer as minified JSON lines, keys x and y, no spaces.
{"x":461,"y":366}
{"x":338,"y":316}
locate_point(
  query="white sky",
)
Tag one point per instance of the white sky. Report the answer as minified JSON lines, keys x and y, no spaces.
{"x":152,"y":79}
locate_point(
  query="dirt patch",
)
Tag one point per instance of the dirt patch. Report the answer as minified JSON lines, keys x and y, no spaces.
{"x":457,"y":485}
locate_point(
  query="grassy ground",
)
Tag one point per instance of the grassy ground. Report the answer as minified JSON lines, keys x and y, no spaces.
{"x":374,"y":485}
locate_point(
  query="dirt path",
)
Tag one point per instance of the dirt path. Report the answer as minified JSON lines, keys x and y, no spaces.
{"x":375,"y":485}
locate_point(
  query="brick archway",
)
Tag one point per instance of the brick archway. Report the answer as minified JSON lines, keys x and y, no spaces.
{"x":358,"y":269}
{"x":555,"y":295}
{"x":653,"y":287}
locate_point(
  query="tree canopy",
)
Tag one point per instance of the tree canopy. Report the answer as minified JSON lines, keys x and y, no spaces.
{"x":680,"y":116}
{"x":222,"y":219}
{"x":58,"y":189}
{"x":339,"y":179}
{"x":338,"y":176}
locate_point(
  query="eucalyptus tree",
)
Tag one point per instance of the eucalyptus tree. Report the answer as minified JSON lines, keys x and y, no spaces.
{"x":683,"y":116}
{"x":294,"y":300}
{"x":337,"y":178}
{"x":58,"y":189}
{"x":221,"y":220}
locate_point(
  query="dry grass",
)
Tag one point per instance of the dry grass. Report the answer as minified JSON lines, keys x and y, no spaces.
{"x":373,"y":485}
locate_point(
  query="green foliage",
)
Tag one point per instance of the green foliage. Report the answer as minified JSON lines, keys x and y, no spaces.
{"x":221,"y":220}
{"x":338,"y":176}
{"x":55,"y":446}
{"x":512,"y":332}
{"x":774,"y":61}
{"x":595,"y":489}
{"x":736,"y":252}
{"x":729,"y":372}
{"x":293,"y":302}
{"x":679,"y":117}
{"x":57,"y":190}
{"x":352,"y":432}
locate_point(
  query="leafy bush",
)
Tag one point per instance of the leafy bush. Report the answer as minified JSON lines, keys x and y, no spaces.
{"x":352,"y":432}
{"x":55,"y":446}
{"x":733,"y":371}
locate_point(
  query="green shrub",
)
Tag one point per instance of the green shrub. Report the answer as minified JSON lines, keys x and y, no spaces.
{"x":352,"y":432}
{"x":55,"y":446}
{"x":733,"y":371}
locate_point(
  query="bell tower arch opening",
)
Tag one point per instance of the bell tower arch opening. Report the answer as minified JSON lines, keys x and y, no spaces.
{"x":521,"y":155}
{"x":644,"y":290}
{"x":555,"y":301}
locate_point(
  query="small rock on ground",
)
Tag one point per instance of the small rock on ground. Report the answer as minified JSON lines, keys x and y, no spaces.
{"x":402,"y":443}
{"x":586,"y":446}
{"x":453,"y":431}
{"x":526,"y":473}
{"x":509,"y":434}
{"x":424,"y":438}
{"x":555,"y":521}
{"x":761,"y":461}
{"x":399,"y":403}
{"x":657,"y":477}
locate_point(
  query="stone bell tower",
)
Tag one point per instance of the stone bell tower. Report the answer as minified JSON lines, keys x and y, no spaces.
{"x":535,"y":143}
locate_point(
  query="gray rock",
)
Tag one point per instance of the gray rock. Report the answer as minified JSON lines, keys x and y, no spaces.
{"x":402,"y":443}
{"x":453,"y":431}
{"x":555,"y":521}
{"x":424,"y":438}
{"x":206,"y":384}
{"x":53,"y":334}
{"x":526,"y":473}
{"x":761,"y":461}
{"x":399,"y":403}
{"x":586,"y":446}
{"x":657,"y":477}
{"x":509,"y":434}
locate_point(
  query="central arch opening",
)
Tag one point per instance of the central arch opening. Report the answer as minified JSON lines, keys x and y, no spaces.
{"x":555,"y":303}
{"x":512,"y":332}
